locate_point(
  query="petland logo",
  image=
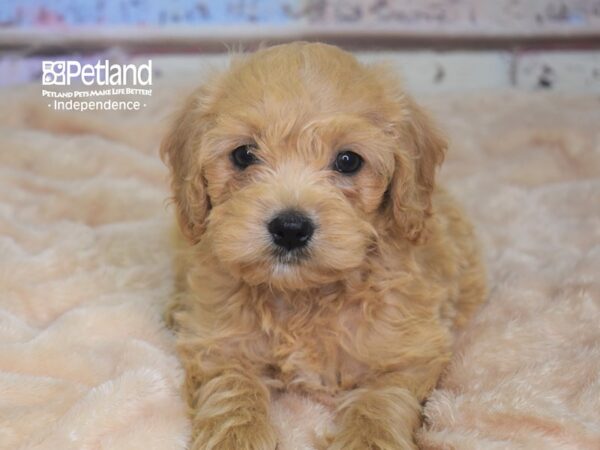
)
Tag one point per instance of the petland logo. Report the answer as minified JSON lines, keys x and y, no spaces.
{"x":103,"y":73}
{"x":94,"y":80}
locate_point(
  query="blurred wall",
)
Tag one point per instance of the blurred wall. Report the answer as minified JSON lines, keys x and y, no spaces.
{"x":503,"y":17}
{"x":439,"y":44}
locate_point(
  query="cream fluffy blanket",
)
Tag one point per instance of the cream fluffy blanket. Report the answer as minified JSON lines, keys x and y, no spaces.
{"x":85,"y":268}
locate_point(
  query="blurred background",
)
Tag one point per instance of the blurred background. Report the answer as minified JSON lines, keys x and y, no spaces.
{"x":438,"y":45}
{"x":85,"y":247}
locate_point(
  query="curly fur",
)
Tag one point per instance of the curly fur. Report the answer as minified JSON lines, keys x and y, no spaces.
{"x":365,"y":324}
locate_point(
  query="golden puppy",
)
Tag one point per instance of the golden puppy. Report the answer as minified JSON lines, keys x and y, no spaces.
{"x":323,"y":260}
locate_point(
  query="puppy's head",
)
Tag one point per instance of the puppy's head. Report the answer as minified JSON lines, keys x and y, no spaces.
{"x":289,"y":165}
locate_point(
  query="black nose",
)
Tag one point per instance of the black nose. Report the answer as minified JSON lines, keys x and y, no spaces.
{"x":291,"y":229}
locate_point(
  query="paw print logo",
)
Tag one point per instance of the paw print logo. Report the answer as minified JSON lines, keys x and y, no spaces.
{"x":54,"y":73}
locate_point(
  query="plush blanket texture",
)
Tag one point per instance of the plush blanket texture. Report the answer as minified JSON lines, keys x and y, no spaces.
{"x":85,"y":269}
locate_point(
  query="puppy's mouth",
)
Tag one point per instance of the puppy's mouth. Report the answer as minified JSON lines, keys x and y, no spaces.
{"x":291,"y":257}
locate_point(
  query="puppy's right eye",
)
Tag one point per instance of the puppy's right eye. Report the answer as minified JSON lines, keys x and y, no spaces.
{"x":243,"y":157}
{"x":348,"y":162}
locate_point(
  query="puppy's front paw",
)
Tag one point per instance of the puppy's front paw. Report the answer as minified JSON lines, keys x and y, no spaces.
{"x":382,"y":419}
{"x":231,"y":413}
{"x":370,"y":436}
{"x":231,"y":433}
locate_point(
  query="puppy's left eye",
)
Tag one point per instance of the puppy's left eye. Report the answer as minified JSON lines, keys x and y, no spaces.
{"x":243,"y":156}
{"x":348,"y":162}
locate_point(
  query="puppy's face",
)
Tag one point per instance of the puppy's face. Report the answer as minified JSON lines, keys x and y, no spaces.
{"x":292,"y":163}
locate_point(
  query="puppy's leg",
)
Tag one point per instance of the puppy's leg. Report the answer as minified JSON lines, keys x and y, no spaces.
{"x":385,"y":414}
{"x":230,"y":412}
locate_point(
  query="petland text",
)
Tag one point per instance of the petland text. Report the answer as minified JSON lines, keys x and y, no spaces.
{"x":103,"y":73}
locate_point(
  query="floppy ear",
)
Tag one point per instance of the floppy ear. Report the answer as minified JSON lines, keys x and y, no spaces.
{"x":421,"y":150}
{"x":179,"y":150}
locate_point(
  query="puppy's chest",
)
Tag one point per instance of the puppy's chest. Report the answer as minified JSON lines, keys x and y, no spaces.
{"x":312,"y":352}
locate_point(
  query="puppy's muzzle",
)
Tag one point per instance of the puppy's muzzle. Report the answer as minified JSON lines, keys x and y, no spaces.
{"x":291,"y":230}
